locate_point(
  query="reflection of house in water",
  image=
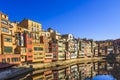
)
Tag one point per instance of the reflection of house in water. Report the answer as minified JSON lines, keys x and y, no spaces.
{"x":74,"y":68}
{"x":95,"y":69}
{"x":105,"y":68}
{"x":116,"y":71}
{"x":105,"y":47}
{"x":86,"y":71}
{"x":59,"y":74}
{"x":95,"y":66}
{"x":67,"y":71}
{"x":55,"y":74}
{"x":102,"y":68}
{"x":74,"y":72}
{"x":39,"y":76}
{"x":81,"y":71}
{"x":109,"y":68}
{"x":48,"y":75}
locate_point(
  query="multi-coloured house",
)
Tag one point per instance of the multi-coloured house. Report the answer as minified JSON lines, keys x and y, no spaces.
{"x":61,"y":49}
{"x":7,"y":41}
{"x":53,"y":48}
{"x":70,"y":46}
{"x":48,"y":55}
{"x":26,"y":42}
{"x":37,"y":47}
{"x":106,"y":47}
{"x":116,"y":44}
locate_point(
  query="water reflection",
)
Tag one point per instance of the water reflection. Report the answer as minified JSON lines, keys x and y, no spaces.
{"x":104,"y":77}
{"x":83,"y":71}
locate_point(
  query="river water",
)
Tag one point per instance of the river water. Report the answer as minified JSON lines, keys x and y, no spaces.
{"x":102,"y":70}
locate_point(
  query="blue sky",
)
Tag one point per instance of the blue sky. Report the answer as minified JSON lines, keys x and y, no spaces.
{"x":96,"y":19}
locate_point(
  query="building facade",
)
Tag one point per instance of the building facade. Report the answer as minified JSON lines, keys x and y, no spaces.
{"x":47,"y":53}
{"x":7,"y":41}
{"x":53,"y":48}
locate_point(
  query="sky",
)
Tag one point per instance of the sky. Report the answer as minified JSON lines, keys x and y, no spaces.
{"x":92,"y":19}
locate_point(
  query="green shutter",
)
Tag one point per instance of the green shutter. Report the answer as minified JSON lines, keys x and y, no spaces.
{"x":7,"y":49}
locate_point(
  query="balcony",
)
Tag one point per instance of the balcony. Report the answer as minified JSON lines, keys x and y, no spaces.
{"x":4,"y":22}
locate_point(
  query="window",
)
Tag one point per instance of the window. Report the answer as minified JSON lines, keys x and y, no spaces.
{"x":60,"y":51}
{"x":4,"y":22}
{"x":37,"y":36}
{"x":35,"y":48}
{"x":29,"y":56}
{"x":8,"y":60}
{"x":62,"y":56}
{"x":10,"y":32}
{"x":45,"y":38}
{"x":59,"y":46}
{"x":48,"y":35}
{"x":33,"y":35}
{"x":29,"y":42}
{"x":29,"y":50}
{"x":40,"y":53}
{"x":54,"y":56}
{"x":3,"y":60}
{"x":37,"y":29}
{"x":6,"y":39}
{"x":38,"y":48}
{"x":32,"y":24}
{"x":5,"y":29}
{"x":22,"y":57}
{"x":38,"y":58}
{"x":48,"y":55}
{"x":34,"y":29}
{"x":29,"y":35}
{"x":54,"y":50}
{"x":46,"y":50}
{"x":15,"y":59}
{"x":46,"y":44}
{"x":7,"y":49}
{"x":35,"y":54}
{"x":23,"y":50}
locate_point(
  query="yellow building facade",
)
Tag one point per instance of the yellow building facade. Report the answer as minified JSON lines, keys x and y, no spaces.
{"x":38,"y":53}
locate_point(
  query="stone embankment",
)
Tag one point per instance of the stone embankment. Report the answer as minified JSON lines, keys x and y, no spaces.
{"x":63,"y":63}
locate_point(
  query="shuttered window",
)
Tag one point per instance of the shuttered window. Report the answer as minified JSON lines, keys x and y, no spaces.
{"x":7,"y":49}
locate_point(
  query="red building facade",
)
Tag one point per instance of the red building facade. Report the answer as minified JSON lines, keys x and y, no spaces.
{"x":28,"y":45}
{"x":53,"y":48}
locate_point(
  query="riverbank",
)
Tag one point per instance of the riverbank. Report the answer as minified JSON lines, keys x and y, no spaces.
{"x":22,"y":69}
{"x":62,"y":63}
